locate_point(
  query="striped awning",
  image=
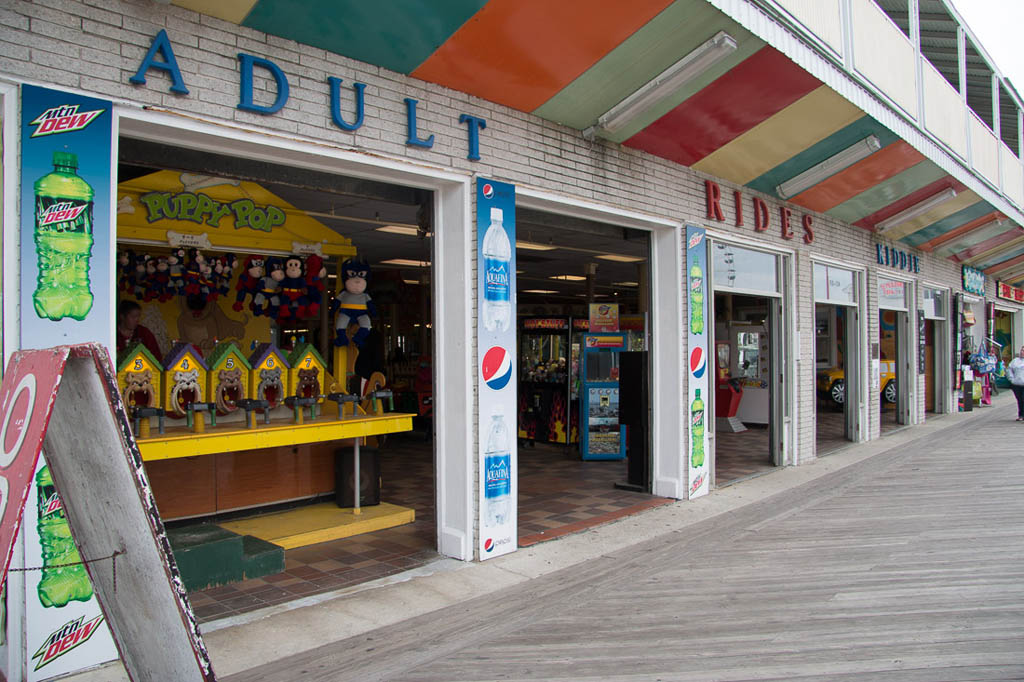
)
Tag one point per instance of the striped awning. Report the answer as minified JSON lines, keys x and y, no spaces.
{"x":752,"y":116}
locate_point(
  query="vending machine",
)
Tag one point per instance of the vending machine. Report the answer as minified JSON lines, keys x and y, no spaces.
{"x":602,"y":435}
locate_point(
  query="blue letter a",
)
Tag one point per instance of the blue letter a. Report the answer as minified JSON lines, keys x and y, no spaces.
{"x":161,"y":44}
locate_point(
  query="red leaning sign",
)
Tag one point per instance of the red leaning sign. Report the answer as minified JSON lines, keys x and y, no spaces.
{"x":26,"y":402}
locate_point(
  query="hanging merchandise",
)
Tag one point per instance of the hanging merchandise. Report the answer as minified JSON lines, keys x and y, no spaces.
{"x":176,"y":271}
{"x":249,"y":283}
{"x":968,"y":317}
{"x":125,"y":270}
{"x":315,"y":274}
{"x":159,"y":288}
{"x":268,"y":298}
{"x":223,"y":269}
{"x":353,"y":303}
{"x":192,"y":272}
{"x":293,"y":290}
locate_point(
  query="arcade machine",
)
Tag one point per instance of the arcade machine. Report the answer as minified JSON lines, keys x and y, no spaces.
{"x":602,"y":435}
{"x":544,"y":380}
{"x":728,"y":392}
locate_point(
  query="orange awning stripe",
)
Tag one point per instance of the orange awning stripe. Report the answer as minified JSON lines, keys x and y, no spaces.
{"x":860,"y":177}
{"x":520,"y":53}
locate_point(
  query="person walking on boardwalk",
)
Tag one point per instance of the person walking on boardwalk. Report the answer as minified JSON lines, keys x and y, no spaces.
{"x":1015,"y":375}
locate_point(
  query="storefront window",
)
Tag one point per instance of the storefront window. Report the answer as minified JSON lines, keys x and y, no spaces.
{"x":746,"y":269}
{"x":892,"y":294}
{"x":934,"y":306}
{"x":833,"y":285}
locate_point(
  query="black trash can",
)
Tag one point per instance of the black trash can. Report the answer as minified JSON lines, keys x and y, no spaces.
{"x":369,"y":475}
{"x":968,"y":396}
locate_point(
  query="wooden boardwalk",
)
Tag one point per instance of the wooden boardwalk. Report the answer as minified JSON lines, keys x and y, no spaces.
{"x":908,"y":565}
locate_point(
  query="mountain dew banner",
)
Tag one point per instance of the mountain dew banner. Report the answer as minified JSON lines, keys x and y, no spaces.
{"x":66,"y":270}
{"x":65,"y":627}
{"x":66,"y":284}
{"x":697,"y":344}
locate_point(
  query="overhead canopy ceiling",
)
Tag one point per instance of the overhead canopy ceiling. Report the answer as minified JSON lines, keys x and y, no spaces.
{"x":753,"y":117}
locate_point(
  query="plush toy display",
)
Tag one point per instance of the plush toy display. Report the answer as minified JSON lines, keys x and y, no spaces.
{"x":223,"y":269}
{"x":249,"y":282}
{"x":268,"y":298}
{"x":159,"y":286}
{"x":126,"y":267}
{"x":353,"y":303}
{"x":176,"y":271}
{"x":193,"y":272}
{"x":141,"y":280}
{"x":293,"y":289}
{"x":315,"y":274}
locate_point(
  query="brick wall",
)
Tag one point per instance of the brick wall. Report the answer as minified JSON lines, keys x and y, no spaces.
{"x":97,"y":45}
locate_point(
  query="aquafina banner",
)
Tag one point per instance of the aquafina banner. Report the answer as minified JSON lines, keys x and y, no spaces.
{"x":496,"y":337}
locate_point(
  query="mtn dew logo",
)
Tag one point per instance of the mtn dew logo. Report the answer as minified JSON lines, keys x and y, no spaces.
{"x":63,"y":119}
{"x":61,"y":212}
{"x":68,"y":637}
{"x":52,"y":505}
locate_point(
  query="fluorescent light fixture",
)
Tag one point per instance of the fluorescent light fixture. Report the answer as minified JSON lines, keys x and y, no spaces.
{"x":829,"y":167}
{"x":625,"y":284}
{"x":621,"y":259}
{"x":915,"y":210}
{"x":534,"y":246}
{"x":976,"y":236}
{"x":664,"y":85}
{"x":568,"y":278}
{"x":407,"y":262}
{"x":407,"y":230}
{"x":539,"y":291}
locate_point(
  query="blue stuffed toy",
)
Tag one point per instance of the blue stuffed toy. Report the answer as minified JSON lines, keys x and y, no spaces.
{"x":353,"y":303}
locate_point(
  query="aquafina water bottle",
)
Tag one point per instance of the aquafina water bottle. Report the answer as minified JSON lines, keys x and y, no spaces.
{"x":497,"y":473}
{"x":497,"y":278}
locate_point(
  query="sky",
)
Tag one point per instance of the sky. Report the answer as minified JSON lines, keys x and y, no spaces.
{"x":997,"y":23}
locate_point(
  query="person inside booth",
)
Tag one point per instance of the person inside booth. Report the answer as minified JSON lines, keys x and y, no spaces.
{"x":130,"y":332}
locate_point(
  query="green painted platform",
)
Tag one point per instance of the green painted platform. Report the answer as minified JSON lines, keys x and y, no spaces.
{"x":208,"y":555}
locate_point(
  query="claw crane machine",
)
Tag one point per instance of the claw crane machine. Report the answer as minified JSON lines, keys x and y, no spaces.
{"x":545,"y":380}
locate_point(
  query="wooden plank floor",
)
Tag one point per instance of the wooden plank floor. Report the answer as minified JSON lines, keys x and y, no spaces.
{"x":906,"y":566}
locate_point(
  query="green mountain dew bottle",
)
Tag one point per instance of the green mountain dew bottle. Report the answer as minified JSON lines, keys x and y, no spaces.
{"x":59,"y":584}
{"x":697,"y":430}
{"x":63,"y":241}
{"x":696,"y":299}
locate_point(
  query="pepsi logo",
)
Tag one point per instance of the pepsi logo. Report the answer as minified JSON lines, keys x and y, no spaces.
{"x":497,"y":368}
{"x":698,"y":362}
{"x":488,"y":544}
{"x":488,"y":190}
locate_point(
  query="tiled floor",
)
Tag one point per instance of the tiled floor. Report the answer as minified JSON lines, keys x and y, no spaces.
{"x":888,"y":418}
{"x":558,"y":494}
{"x":742,"y":455}
{"x":830,"y":423}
